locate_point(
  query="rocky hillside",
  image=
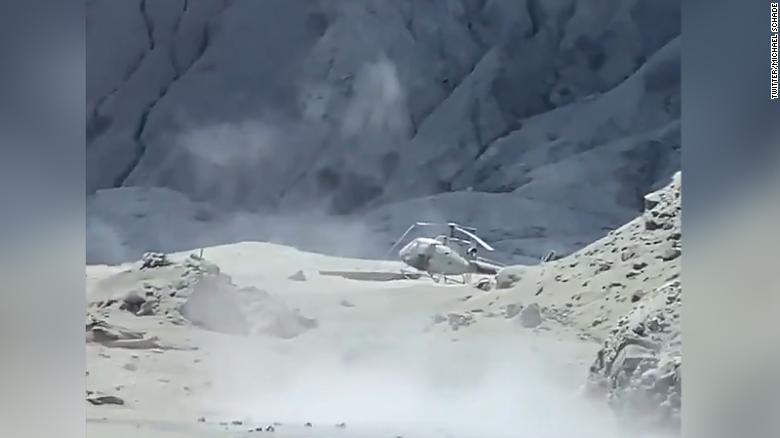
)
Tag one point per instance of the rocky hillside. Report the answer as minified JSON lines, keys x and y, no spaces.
{"x":623,"y":292}
{"x":542,"y":123}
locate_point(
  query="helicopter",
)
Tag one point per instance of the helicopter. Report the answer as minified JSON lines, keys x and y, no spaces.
{"x":451,"y":254}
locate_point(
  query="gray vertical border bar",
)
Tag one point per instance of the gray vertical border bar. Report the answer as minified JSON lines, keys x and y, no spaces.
{"x":42,"y":203}
{"x":729,"y":143}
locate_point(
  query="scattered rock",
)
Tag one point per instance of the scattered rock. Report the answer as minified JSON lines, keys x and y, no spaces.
{"x":651,"y":224}
{"x":636,"y":296}
{"x":457,"y":320}
{"x":106,"y":400}
{"x":308,"y":424}
{"x":152,"y":260}
{"x":298,"y":276}
{"x":345,"y":303}
{"x":670,"y":254}
{"x":341,"y":425}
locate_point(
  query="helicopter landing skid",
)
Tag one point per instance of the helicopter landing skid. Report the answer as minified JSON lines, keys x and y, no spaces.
{"x":444,"y":278}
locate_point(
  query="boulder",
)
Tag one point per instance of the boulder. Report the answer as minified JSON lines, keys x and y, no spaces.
{"x":530,"y":316}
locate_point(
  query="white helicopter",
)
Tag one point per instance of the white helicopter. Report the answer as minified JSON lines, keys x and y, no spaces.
{"x":447,"y":254}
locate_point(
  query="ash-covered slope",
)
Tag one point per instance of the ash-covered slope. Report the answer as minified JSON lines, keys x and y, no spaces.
{"x":623,"y":292}
{"x":568,"y":111}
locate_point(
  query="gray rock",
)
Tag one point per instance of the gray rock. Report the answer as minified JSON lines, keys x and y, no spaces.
{"x":530,"y":316}
{"x":513,"y":310}
{"x":132,"y":302}
{"x":652,"y":200}
{"x":298,"y":276}
{"x":670,"y":254}
{"x":457,"y":320}
{"x":152,"y":260}
{"x":105,"y":400}
{"x":652,"y":224}
{"x":509,"y":276}
{"x":345,"y":303}
{"x":148,"y":308}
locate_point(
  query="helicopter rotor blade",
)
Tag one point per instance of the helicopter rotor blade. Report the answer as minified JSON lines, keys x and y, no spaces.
{"x":463,"y":227}
{"x":409,"y":230}
{"x":400,"y":239}
{"x":476,"y":238}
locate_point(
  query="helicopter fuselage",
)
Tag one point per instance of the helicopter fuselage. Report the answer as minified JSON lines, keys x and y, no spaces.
{"x":434,"y":256}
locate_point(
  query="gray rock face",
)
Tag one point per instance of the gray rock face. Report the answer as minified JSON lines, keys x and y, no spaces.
{"x":639,"y":365}
{"x":538,"y":122}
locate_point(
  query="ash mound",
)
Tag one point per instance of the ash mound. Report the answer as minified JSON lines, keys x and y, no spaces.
{"x":195,"y":292}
